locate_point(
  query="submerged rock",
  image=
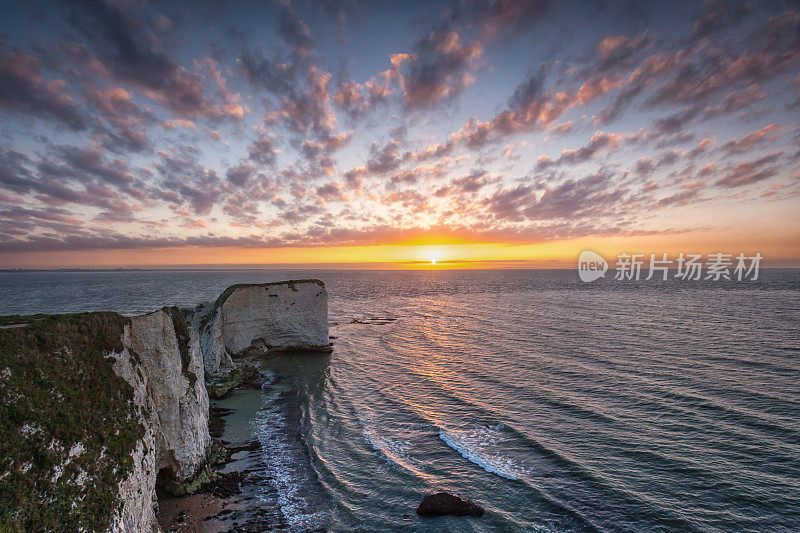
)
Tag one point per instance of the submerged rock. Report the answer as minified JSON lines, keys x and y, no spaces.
{"x":443,"y":503}
{"x":240,"y":376}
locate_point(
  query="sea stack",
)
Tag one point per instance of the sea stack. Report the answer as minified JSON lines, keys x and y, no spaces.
{"x":274,"y":317}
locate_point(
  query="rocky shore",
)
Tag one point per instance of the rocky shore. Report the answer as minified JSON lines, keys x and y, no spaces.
{"x":102,"y":413}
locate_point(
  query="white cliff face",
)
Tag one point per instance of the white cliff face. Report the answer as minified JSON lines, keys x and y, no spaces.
{"x":179,"y":395}
{"x":170,"y":395}
{"x":160,"y":357}
{"x":284,"y":315}
{"x":216,"y":359}
{"x":137,"y":491}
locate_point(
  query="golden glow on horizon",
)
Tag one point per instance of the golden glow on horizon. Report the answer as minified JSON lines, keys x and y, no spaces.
{"x":553,"y":254}
{"x":433,"y":254}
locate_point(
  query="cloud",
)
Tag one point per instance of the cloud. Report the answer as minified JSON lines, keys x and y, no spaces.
{"x":151,"y":141}
{"x":736,"y":101}
{"x":599,"y":141}
{"x":185,"y":181}
{"x":466,"y":184}
{"x":274,"y":75}
{"x":689,"y":193}
{"x":501,"y":17}
{"x":751,"y":140}
{"x":24,"y":90}
{"x":90,"y":161}
{"x":718,"y":16}
{"x":357,"y":99}
{"x":70,"y":180}
{"x":382,"y":161}
{"x":618,"y":52}
{"x":437,"y":70}
{"x":308,"y":111}
{"x":751,"y":171}
{"x":120,"y":39}
{"x":262,"y":150}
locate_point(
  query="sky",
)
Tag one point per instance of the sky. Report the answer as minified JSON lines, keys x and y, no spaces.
{"x":471,"y":133}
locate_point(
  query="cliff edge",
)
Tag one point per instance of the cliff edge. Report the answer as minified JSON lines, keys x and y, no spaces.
{"x":93,"y":407}
{"x":96,"y":409}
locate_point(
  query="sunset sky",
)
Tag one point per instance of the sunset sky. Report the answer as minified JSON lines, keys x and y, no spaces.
{"x":351,"y":132}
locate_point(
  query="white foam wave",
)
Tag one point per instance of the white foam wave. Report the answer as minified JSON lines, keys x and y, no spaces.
{"x":394,"y":451}
{"x":285,"y":466}
{"x":480,"y":446}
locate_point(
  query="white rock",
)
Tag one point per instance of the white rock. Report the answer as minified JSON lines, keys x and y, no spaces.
{"x":216,"y":359}
{"x":180,"y":398}
{"x":172,"y":409}
{"x":286,"y":315}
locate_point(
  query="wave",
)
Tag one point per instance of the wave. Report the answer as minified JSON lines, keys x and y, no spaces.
{"x":394,"y":451}
{"x":480,"y":446}
{"x":286,"y":465}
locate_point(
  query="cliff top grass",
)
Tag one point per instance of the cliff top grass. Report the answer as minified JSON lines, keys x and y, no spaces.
{"x":230,"y":290}
{"x":67,"y":422}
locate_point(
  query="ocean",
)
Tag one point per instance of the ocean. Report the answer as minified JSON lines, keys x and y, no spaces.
{"x":557,"y":405}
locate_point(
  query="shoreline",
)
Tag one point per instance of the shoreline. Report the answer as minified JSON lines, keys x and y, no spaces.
{"x":235,"y":500}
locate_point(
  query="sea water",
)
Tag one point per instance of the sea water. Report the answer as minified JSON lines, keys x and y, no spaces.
{"x":556,"y":405}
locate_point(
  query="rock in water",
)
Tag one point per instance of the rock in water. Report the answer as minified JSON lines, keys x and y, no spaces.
{"x":443,"y":503}
{"x":262,"y":317}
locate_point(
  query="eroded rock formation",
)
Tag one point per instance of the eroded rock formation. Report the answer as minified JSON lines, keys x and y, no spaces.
{"x":161,"y":361}
{"x":96,"y":409}
{"x":265,"y":317}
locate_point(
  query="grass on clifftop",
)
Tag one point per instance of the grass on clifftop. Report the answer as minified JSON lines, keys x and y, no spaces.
{"x":67,"y":423}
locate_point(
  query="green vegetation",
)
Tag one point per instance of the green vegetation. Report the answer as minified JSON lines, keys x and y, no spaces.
{"x":15,"y":320}
{"x":58,"y":392}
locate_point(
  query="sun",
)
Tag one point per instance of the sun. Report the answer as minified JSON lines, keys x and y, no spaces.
{"x":432,"y":255}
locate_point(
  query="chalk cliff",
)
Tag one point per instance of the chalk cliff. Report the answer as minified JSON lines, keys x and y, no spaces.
{"x":96,"y":409}
{"x":93,"y":406}
{"x":264,"y":317}
{"x":162,"y":362}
